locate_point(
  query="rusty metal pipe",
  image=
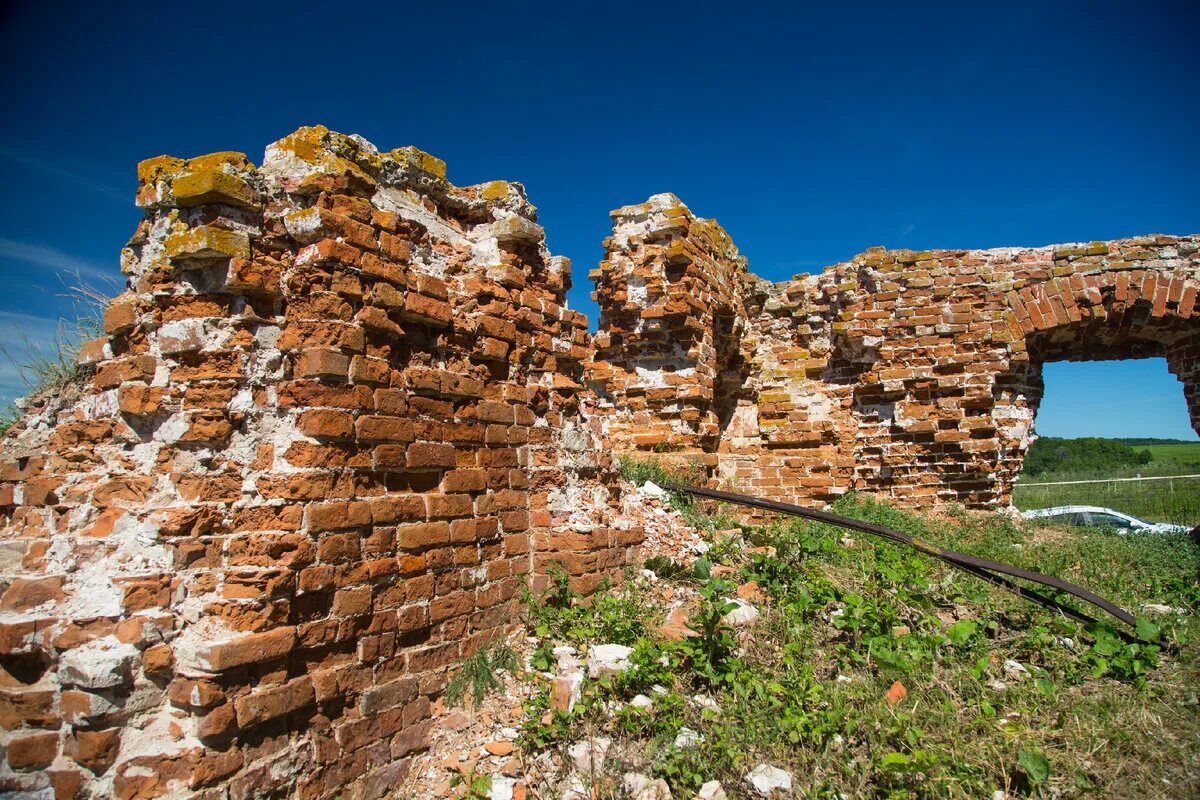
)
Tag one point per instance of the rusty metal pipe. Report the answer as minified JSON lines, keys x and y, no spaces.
{"x":980,"y":567}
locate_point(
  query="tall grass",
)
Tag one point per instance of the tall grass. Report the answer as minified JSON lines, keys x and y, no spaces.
{"x":51,"y":366}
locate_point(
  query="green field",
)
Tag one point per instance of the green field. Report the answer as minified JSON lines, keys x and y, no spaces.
{"x":876,"y":672}
{"x":1172,"y":500}
{"x":1183,"y":454}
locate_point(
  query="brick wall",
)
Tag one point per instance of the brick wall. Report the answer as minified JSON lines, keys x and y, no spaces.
{"x":342,"y":415}
{"x":915,"y":375}
{"x":334,"y":417}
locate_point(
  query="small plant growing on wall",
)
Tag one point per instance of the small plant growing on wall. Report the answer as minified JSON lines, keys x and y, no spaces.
{"x":478,"y":675}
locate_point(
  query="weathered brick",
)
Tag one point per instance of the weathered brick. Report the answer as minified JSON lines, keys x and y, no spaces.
{"x":249,"y":649}
{"x":422,"y":455}
{"x":326,"y":423}
{"x":31,"y":751}
{"x":267,"y":704}
{"x":416,"y":537}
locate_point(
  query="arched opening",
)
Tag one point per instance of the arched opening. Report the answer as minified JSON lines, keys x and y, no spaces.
{"x":1112,"y":434}
{"x":1098,"y":366}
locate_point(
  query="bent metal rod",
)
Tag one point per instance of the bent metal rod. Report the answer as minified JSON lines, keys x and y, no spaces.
{"x":993,"y":571}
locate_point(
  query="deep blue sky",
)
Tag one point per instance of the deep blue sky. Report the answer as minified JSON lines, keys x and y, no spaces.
{"x":810,"y":133}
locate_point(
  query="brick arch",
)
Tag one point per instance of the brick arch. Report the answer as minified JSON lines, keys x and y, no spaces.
{"x":1110,"y":315}
{"x":1120,"y":307}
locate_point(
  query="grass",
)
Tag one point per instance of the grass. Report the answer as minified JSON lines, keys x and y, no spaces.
{"x":51,"y":366}
{"x":1187,"y":455}
{"x":1175,"y":501}
{"x":1085,"y":714}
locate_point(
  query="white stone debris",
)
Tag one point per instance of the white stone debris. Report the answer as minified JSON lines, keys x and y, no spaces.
{"x":713,"y":790}
{"x":641,"y":701}
{"x":744,"y":614}
{"x":567,"y":658}
{"x":100,"y":664}
{"x":576,"y":789}
{"x":502,"y":788}
{"x":1159,"y":608}
{"x":588,"y":756}
{"x":641,"y":787}
{"x":651,"y":489}
{"x":706,"y":703}
{"x":766,"y":779}
{"x":1015,"y":669}
{"x":687,"y":738}
{"x":608,"y":659}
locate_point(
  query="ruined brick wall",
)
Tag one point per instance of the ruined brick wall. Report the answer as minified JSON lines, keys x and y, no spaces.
{"x":342,"y":415}
{"x":672,"y":347}
{"x":334,"y":426}
{"x":915,"y":375}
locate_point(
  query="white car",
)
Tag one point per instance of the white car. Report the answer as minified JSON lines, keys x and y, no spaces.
{"x":1097,"y":517}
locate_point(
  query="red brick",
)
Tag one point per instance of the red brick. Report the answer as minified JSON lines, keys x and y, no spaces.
{"x":32,"y":751}
{"x":384,"y":429}
{"x":422,"y":455}
{"x":323,"y":364}
{"x":335,"y":516}
{"x":416,"y":537}
{"x":23,"y":594}
{"x":267,"y":704}
{"x":248,"y":649}
{"x":96,"y":750}
{"x":327,"y":424}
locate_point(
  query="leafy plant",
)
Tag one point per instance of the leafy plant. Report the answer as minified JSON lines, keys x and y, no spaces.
{"x":1036,"y":765}
{"x":608,"y":617}
{"x":961,"y":632}
{"x":469,"y":786}
{"x":710,"y":651}
{"x":1111,"y":655}
{"x":479,"y":675}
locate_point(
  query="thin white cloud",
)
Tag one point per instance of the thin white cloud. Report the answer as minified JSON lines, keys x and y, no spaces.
{"x":52,"y":257}
{"x":68,"y":175}
{"x":906,"y":229}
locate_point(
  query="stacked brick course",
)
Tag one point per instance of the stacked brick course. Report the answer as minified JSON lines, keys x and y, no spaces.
{"x":335,"y":415}
{"x":671,"y":353}
{"x":342,"y":415}
{"x":912,"y":374}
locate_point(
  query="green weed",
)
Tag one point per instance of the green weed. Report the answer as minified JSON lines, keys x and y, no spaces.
{"x":1001,"y":694}
{"x":478,"y":674}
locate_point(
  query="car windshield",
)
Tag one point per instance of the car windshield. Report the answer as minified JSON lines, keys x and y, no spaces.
{"x":1104,"y":520}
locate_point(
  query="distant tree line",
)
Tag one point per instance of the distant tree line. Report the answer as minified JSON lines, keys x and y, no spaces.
{"x":1091,"y":454}
{"x":1143,"y":441}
